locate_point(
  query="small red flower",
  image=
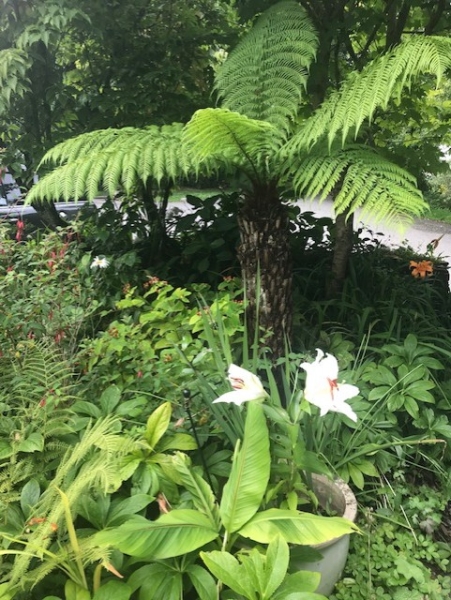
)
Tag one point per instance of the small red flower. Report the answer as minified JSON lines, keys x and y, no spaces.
{"x":20,"y":227}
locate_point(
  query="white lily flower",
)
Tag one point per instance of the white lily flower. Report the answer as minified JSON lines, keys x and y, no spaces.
{"x":246,"y":386}
{"x":99,"y":263}
{"x":322,"y":388}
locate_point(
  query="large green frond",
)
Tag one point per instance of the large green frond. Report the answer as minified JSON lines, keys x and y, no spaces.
{"x":229,"y":138}
{"x":384,"y":79}
{"x":110,"y":160}
{"x":265,"y":75}
{"x":366,"y":180}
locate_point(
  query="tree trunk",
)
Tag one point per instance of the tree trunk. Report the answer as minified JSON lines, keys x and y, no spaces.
{"x":48,"y":214}
{"x":341,"y":253}
{"x":266,"y":265}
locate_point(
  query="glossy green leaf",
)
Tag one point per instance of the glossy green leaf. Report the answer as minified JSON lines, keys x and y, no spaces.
{"x":33,"y":443}
{"x":158,"y":423}
{"x":227,"y":569}
{"x":277,"y":560}
{"x":173,"y":534}
{"x":29,"y":496}
{"x":201,"y":493}
{"x":245,"y":489}
{"x":73,"y":591}
{"x":299,"y":586}
{"x":295,"y":527}
{"x":126,"y":507}
{"x":110,"y":399}
{"x":113,"y":590}
{"x":203,"y":582}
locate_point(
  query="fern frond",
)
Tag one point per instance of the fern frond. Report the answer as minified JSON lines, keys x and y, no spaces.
{"x":222,"y":136}
{"x":110,"y":160}
{"x":367,"y":180}
{"x":265,"y":75}
{"x":83,"y":466}
{"x":384,"y":79}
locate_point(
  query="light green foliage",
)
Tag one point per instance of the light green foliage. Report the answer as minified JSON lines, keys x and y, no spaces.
{"x":367,"y":180}
{"x":258,"y":576}
{"x":160,"y":338}
{"x":92,"y":463}
{"x":113,"y":159}
{"x":264,"y":76}
{"x":380,"y":82}
{"x":185,"y":530}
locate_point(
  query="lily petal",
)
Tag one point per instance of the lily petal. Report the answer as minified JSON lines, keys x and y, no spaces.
{"x":247,"y":387}
{"x":323,"y":390}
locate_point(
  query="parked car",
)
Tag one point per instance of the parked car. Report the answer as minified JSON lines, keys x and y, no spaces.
{"x":12,"y":212}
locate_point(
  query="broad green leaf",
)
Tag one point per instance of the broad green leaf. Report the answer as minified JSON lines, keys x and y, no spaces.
{"x":201,"y":493}
{"x":73,"y":591}
{"x":203,"y":582}
{"x":178,"y":441}
{"x":356,"y":476}
{"x":87,"y":408}
{"x":113,"y":590}
{"x":110,"y":399}
{"x":245,"y":489}
{"x":126,"y":507}
{"x":173,"y":534}
{"x":227,"y":569}
{"x":158,"y":423}
{"x":33,"y":443}
{"x":95,"y":511}
{"x":299,"y":586}
{"x":148,"y":573}
{"x":29,"y":496}
{"x":295,"y":527}
{"x":277,"y":560}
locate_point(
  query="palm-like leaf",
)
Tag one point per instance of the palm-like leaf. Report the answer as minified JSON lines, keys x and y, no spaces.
{"x":265,"y":75}
{"x":367,"y":180}
{"x":380,"y":82}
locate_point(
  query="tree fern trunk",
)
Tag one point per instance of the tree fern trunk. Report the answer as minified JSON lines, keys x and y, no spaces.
{"x":342,"y":251}
{"x":266,"y":265}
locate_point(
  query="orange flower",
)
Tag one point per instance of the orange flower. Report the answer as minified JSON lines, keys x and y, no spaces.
{"x":422,"y":268}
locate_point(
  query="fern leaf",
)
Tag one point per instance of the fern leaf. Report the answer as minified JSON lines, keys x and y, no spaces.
{"x":265,"y":75}
{"x":368,"y":181}
{"x":218,"y":135}
{"x":384,"y":79}
{"x":111,"y":160}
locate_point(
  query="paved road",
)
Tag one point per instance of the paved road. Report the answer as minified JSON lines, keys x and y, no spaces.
{"x":417,"y":235}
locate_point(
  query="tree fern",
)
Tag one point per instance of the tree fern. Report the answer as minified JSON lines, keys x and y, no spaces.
{"x":265,"y":75}
{"x":367,"y":180}
{"x":110,"y":160}
{"x":380,"y":82}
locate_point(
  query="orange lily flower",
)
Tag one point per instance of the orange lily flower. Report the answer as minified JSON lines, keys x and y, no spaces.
{"x":422,"y":268}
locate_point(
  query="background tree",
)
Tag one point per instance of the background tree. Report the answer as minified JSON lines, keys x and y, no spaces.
{"x":262,"y":135}
{"x":68,"y":67}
